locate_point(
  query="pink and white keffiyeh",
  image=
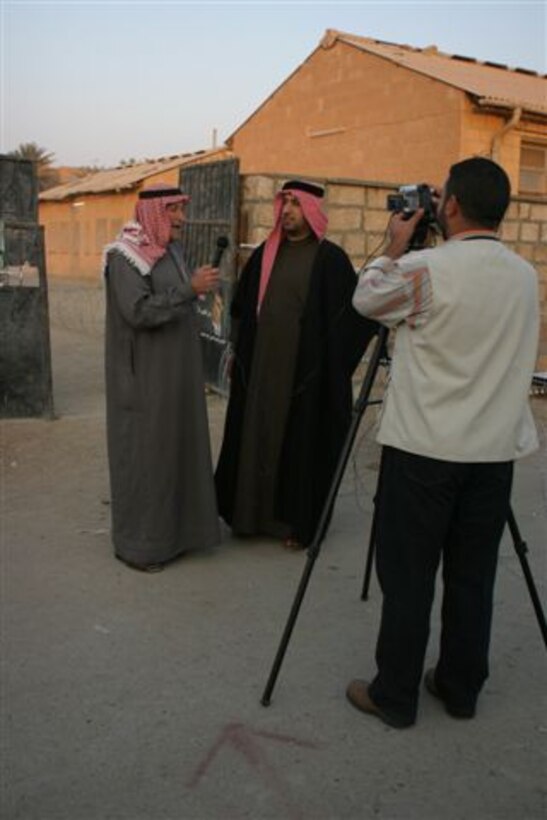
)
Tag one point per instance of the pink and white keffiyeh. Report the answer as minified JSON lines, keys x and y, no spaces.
{"x":309,"y":197}
{"x":144,"y":240}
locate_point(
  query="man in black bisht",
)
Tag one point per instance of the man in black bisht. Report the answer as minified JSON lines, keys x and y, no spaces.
{"x":297,"y":340}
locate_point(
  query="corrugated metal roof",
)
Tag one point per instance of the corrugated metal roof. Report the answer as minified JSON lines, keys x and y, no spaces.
{"x":507,"y":87}
{"x":128,"y":177}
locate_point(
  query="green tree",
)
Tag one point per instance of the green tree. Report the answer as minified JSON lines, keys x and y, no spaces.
{"x":42,"y":158}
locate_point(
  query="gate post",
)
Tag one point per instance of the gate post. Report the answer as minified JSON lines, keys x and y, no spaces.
{"x":25,"y":353}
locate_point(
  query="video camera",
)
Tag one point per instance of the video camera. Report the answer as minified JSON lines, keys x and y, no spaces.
{"x":407,"y":201}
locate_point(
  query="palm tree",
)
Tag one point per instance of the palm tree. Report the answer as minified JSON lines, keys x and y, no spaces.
{"x":42,"y":159}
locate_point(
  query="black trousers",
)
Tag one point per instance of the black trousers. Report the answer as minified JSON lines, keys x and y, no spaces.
{"x":427,"y":508}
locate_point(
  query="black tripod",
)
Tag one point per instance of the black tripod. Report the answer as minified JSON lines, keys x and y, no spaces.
{"x":362,"y":402}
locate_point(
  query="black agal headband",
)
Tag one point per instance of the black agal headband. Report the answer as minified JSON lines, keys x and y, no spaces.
{"x":156,"y":192}
{"x":308,"y":187}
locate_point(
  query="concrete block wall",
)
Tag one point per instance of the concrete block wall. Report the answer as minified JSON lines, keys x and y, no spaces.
{"x":335,"y":115}
{"x":358,"y":219}
{"x":525,"y":231}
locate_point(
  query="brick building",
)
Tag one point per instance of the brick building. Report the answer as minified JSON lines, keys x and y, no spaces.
{"x":363,"y":109}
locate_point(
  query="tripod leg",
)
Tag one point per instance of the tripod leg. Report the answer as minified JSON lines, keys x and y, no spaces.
{"x":370,"y":559}
{"x":313,"y":550}
{"x":287,"y":632}
{"x":521,"y":549}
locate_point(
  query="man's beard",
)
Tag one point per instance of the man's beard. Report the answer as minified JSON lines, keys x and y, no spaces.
{"x":295,"y":231}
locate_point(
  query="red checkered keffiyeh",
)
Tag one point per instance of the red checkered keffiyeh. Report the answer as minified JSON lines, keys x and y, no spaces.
{"x":309,"y":198}
{"x":144,"y":240}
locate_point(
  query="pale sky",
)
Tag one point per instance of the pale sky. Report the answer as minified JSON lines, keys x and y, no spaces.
{"x":99,"y":82}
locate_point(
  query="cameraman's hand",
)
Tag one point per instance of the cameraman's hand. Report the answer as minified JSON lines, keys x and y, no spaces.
{"x":205,"y":279}
{"x":400,"y":232}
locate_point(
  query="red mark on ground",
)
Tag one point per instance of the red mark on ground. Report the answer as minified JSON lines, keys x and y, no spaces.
{"x":246,"y":742}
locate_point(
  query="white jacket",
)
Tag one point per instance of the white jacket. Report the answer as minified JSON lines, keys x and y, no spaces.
{"x":467,"y":316}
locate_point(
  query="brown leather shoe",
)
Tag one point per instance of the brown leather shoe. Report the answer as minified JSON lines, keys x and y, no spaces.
{"x":462,"y":712}
{"x":358,"y":696}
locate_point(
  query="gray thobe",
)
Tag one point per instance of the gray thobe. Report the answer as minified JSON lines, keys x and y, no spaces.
{"x":162,"y":491}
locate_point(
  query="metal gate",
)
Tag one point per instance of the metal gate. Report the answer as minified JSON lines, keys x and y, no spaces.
{"x":25,"y":356}
{"x":213,"y":212}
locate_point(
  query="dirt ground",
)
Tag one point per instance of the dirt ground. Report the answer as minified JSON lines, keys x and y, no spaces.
{"x":135,"y":697}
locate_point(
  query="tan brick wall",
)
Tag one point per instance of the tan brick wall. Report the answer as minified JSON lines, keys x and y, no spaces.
{"x":479,"y":138}
{"x":350,"y":114}
{"x":358,"y":220}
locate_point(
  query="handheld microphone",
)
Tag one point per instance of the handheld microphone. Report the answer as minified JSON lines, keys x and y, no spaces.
{"x":222,"y":244}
